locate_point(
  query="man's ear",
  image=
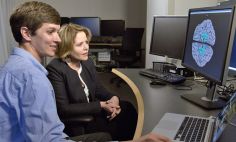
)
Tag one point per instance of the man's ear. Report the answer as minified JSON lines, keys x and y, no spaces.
{"x":25,"y":32}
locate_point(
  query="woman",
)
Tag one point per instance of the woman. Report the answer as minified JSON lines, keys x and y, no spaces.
{"x":78,"y":90}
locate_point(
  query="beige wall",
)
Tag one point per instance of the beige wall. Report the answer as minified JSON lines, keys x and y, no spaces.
{"x":133,"y":11}
{"x":181,"y":7}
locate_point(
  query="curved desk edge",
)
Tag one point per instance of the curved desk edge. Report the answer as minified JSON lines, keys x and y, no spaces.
{"x":139,"y":99}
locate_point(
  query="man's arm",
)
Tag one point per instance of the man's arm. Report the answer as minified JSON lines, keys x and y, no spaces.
{"x":36,"y":110}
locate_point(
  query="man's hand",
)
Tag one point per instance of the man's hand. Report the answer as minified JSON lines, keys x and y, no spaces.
{"x":152,"y":137}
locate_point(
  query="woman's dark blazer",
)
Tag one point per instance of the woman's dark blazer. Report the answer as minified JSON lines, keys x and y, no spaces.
{"x":70,"y":96}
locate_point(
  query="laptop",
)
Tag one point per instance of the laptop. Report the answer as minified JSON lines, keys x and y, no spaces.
{"x":188,"y":128}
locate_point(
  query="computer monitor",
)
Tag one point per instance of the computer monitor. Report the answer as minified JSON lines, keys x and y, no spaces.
{"x":65,"y":20}
{"x":168,"y":36}
{"x":209,"y":42}
{"x":112,"y":27}
{"x":92,"y":23}
{"x":232,"y":65}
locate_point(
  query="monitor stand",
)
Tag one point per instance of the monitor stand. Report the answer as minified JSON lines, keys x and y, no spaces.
{"x":209,"y":101}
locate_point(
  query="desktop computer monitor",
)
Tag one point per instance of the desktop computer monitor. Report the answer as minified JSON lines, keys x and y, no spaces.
{"x":232,"y":64}
{"x":168,"y":36}
{"x":112,"y":27}
{"x":92,"y":23}
{"x":65,"y":20}
{"x":209,"y":42}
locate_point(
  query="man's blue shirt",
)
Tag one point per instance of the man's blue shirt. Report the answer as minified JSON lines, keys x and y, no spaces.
{"x":27,"y":101}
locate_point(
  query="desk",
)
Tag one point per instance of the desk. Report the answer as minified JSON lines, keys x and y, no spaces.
{"x":105,"y":45}
{"x":161,"y":99}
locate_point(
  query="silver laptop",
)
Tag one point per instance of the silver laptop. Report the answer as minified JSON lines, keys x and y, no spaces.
{"x":187,"y":128}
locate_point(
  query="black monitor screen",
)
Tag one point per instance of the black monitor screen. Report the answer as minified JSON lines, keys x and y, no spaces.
{"x":232,"y":65}
{"x":168,"y":36}
{"x":208,"y":42}
{"x":65,"y":20}
{"x":112,"y":27}
{"x":92,"y":23}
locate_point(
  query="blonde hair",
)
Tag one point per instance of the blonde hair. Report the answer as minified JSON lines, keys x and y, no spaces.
{"x":67,"y":34}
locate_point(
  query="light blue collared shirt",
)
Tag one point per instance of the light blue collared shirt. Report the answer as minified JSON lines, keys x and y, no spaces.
{"x":27,"y":102}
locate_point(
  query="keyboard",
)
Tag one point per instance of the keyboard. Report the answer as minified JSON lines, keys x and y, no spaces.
{"x":192,"y":130}
{"x":167,"y":77}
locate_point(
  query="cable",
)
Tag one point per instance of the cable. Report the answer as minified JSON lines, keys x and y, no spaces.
{"x":225,"y":92}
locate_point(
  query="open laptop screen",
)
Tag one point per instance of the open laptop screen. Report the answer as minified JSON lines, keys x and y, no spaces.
{"x":225,"y":117}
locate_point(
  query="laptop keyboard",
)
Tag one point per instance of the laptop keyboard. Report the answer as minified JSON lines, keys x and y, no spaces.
{"x":192,"y":130}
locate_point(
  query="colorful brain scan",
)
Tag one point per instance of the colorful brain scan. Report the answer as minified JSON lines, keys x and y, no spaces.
{"x":203,"y":41}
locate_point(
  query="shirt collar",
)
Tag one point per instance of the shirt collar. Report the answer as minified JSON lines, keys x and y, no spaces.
{"x":25,"y":54}
{"x":80,"y":68}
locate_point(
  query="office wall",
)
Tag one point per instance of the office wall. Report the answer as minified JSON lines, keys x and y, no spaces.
{"x":182,"y":6}
{"x":133,"y":11}
{"x":168,"y":7}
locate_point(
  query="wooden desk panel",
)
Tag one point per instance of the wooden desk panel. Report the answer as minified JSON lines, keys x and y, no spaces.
{"x":139,"y":99}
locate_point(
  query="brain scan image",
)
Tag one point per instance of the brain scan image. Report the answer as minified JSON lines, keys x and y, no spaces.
{"x":203,"y":41}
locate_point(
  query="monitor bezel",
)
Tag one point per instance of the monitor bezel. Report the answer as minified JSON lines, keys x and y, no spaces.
{"x":224,"y":73}
{"x":153,"y":24}
{"x":232,"y":69}
{"x":99,"y":19}
{"x":120,"y":20}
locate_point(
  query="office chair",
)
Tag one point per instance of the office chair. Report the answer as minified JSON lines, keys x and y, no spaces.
{"x":130,"y":52}
{"x":76,"y":125}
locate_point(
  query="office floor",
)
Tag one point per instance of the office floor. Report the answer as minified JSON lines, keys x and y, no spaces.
{"x":124,"y":92}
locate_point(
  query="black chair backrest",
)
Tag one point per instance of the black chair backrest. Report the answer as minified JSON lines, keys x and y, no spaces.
{"x":132,"y":39}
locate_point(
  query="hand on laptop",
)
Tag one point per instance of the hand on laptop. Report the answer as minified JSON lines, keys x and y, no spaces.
{"x":152,"y":137}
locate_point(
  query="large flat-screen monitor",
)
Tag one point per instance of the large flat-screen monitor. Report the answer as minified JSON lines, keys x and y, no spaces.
{"x":112,"y":27}
{"x":92,"y":23}
{"x":168,"y":36}
{"x":65,"y":20}
{"x":232,"y":65}
{"x":209,"y":42}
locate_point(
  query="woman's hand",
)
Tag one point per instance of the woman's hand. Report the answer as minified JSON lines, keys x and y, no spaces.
{"x":114,"y":100}
{"x":112,"y":107}
{"x":109,"y":107}
{"x":116,"y":110}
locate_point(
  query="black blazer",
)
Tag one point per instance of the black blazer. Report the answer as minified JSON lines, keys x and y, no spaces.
{"x":70,"y":97}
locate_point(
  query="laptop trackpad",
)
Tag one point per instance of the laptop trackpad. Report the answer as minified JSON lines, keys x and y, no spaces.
{"x":169,"y":125}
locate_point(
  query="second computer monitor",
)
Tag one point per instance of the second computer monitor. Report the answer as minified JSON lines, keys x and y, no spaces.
{"x":92,"y":23}
{"x":65,"y":20}
{"x":168,"y":36}
{"x":209,"y":42}
{"x":112,"y":27}
{"x":232,"y":65}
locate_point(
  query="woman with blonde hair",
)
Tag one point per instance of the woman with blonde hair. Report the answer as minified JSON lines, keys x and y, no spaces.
{"x":79,"y":91}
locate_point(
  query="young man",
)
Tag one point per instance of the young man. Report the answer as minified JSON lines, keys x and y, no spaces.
{"x":27,"y":100}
